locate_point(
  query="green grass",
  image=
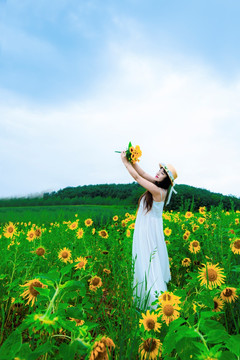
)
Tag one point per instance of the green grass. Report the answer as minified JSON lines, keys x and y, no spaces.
{"x":47,"y":214}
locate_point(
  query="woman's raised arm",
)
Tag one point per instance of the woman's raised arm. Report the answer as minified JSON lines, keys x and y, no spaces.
{"x":142,"y":173}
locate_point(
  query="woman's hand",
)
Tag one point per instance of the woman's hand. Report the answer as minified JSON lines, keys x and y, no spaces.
{"x":124,"y":158}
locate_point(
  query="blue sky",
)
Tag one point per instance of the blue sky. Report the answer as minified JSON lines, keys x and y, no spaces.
{"x":80,"y":79}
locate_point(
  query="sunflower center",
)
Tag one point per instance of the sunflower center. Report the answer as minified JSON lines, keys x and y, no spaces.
{"x":168,"y":310}
{"x":95,"y":281}
{"x":195,"y":244}
{"x":64,"y":254}
{"x":37,"y":232}
{"x":149,"y":345}
{"x":150,"y":323}
{"x":215,"y":305}
{"x":227,"y":292}
{"x":237,"y":244}
{"x":40,"y":251}
{"x":212,"y":275}
{"x":81,"y":264}
{"x":31,"y":235}
{"x":32,"y":291}
{"x":10,"y":229}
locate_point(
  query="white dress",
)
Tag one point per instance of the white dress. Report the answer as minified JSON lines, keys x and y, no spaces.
{"x":150,"y":256}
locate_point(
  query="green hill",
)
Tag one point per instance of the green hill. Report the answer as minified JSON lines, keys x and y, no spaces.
{"x":187,"y":197}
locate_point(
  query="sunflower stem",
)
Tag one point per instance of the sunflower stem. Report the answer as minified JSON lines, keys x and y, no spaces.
{"x":50,"y":306}
{"x":230,"y":305}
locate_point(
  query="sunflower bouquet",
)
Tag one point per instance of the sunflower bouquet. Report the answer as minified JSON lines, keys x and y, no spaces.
{"x":132,"y":153}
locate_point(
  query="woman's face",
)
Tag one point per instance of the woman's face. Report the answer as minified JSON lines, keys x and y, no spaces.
{"x":161,"y":174}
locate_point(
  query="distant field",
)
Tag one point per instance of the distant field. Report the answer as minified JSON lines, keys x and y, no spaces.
{"x":47,"y":214}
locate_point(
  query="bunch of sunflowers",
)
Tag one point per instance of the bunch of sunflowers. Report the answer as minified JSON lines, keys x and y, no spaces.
{"x":133,"y":153}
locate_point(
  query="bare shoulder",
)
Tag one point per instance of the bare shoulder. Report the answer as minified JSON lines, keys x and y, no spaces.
{"x":161,"y":196}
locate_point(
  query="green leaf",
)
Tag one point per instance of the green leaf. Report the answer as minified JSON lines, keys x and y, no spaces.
{"x":206,"y":325}
{"x":66,"y":269}
{"x":74,"y":312}
{"x":73,"y":285}
{"x":174,"y":325}
{"x":227,"y":355}
{"x":217,"y":336}
{"x":11,"y":346}
{"x":43,"y":292}
{"x":233,"y":344}
{"x":185,"y":349}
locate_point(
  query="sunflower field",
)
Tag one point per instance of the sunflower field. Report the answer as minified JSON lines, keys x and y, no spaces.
{"x":66,"y":289}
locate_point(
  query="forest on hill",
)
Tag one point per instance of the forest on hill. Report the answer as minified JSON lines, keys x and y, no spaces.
{"x":187,"y":197}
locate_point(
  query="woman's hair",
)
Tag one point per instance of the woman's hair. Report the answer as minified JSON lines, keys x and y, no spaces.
{"x":148,"y":199}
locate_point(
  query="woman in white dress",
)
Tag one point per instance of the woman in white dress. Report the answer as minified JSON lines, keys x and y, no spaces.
{"x":149,"y":250}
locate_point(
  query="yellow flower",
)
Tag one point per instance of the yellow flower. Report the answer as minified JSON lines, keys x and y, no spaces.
{"x":31,"y":235}
{"x":115,"y":218}
{"x":237,"y":221}
{"x":167,"y":231}
{"x":218,"y":304}
{"x":107,"y":271}
{"x":101,"y":349}
{"x":131,"y":226}
{"x":64,"y":255}
{"x":201,"y":220}
{"x":73,"y":225}
{"x":167,"y":297}
{"x":93,"y":231}
{"x":31,"y":293}
{"x":229,"y":294}
{"x":235,"y":246}
{"x":128,"y":233}
{"x":186,"y":262}
{"x":188,"y":215}
{"x":195,"y":228}
{"x":212,"y":275}
{"x":40,"y":251}
{"x":150,"y":349}
{"x":81,"y":263}
{"x":77,"y":321}
{"x":103,"y":234}
{"x":95,"y":282}
{"x":202,"y":209}
{"x":80,"y":233}
{"x":88,"y":222}
{"x":194,"y":246}
{"x":149,"y":321}
{"x":169,"y":311}
{"x":38,"y":232}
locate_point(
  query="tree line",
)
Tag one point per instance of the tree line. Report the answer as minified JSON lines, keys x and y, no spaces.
{"x":187,"y":197}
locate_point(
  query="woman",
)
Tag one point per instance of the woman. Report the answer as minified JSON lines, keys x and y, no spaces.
{"x":149,"y":250}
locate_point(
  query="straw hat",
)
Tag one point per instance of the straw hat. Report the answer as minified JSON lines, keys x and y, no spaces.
{"x":170,"y":170}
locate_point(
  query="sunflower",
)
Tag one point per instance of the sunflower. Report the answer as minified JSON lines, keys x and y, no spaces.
{"x":188,"y":214}
{"x":30,"y":292}
{"x":101,"y":348}
{"x":95,"y":282}
{"x":235,"y":246}
{"x":169,"y":311}
{"x":107,"y":271}
{"x":38,"y":232}
{"x":237,"y":221}
{"x":167,"y":231}
{"x":149,"y":321}
{"x":80,"y":233}
{"x":31,"y":235}
{"x":81,"y":263}
{"x":64,"y":255}
{"x":115,"y":218}
{"x":128,"y":233}
{"x":73,"y":225}
{"x":186,"y":262}
{"x":218,"y":304}
{"x":150,"y":349}
{"x":229,"y":294}
{"x":103,"y":234}
{"x":88,"y":222}
{"x":212,"y":275}
{"x":77,"y":321}
{"x":168,"y":296}
{"x":202,"y":209}
{"x":194,"y":246}
{"x":195,"y":228}
{"x":131,"y":226}
{"x":123,"y":223}
{"x":201,"y":220}
{"x":40,"y":251}
{"x":9,"y":230}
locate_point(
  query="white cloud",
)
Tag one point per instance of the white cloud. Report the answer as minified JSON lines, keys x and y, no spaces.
{"x":185,"y":116}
